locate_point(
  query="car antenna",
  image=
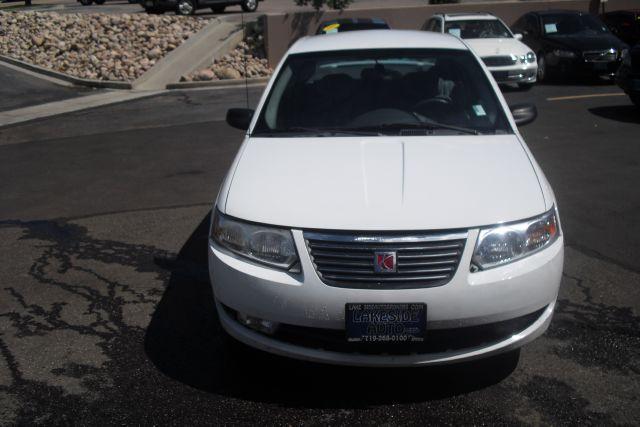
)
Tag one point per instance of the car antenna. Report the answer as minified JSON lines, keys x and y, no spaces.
{"x":244,"y":59}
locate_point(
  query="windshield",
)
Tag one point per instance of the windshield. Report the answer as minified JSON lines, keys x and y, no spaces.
{"x":478,"y":29}
{"x":381,"y":92}
{"x":572,"y":24}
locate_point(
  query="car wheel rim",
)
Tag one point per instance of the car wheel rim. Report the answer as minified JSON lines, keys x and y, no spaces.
{"x":185,"y":8}
{"x":250,"y":4}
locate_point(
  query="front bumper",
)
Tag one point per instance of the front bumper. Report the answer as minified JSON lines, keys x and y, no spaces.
{"x":515,"y":74}
{"x":581,"y":67}
{"x":304,"y":301}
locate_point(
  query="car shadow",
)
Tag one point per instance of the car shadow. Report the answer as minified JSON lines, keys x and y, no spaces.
{"x":185,"y":341}
{"x":620,"y":113}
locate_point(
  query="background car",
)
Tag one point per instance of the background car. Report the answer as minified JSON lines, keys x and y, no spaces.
{"x":99,"y":2}
{"x":189,"y":7}
{"x":352,"y":24}
{"x":628,"y":75}
{"x":570,"y":42}
{"x":508,"y":59}
{"x":625,"y":24}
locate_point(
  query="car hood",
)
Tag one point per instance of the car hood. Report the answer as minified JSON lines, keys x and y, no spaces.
{"x":390,"y":183}
{"x":495,"y":47}
{"x":587,"y":43}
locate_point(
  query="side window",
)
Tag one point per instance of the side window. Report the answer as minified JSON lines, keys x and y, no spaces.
{"x":433,"y":24}
{"x":437,"y":25}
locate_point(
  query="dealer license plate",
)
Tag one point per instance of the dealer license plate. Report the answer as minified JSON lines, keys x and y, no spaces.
{"x":386,"y":323}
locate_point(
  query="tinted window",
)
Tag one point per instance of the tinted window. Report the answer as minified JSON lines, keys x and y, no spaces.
{"x":477,"y":29}
{"x":572,"y":24}
{"x":380,"y":89}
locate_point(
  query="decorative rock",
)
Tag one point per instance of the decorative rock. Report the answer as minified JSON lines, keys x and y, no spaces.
{"x":247,"y":59}
{"x":204,"y":75}
{"x":95,"y":46}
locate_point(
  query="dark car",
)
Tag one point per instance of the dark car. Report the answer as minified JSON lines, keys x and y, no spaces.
{"x":625,"y":24}
{"x":570,"y":42}
{"x":628,"y":75}
{"x":189,"y":7}
{"x":352,"y":24}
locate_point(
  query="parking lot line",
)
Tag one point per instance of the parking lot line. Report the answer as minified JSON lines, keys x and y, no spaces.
{"x":594,"y":95}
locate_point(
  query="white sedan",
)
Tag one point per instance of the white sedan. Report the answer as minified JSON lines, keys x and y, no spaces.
{"x":508,"y":59}
{"x":383,"y":209}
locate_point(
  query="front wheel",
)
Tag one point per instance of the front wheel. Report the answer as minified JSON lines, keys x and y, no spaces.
{"x":99,"y":1}
{"x":185,"y":7}
{"x":542,"y":67}
{"x":249,"y":5}
{"x":86,"y":2}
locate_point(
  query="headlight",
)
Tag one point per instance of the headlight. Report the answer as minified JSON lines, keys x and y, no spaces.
{"x":529,"y":58}
{"x":564,"y":53}
{"x":506,"y":243}
{"x":266,"y":245}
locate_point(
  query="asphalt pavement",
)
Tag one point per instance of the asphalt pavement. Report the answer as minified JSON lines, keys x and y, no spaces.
{"x":106,"y":313}
{"x":18,"y":89}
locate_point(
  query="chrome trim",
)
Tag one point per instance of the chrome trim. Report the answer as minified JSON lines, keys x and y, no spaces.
{"x":370,"y":238}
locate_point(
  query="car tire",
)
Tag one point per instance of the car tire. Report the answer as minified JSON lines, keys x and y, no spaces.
{"x":249,"y":5}
{"x":185,"y":7}
{"x":543,"y":72}
{"x":86,"y":2}
{"x":218,"y":9}
{"x":99,"y":2}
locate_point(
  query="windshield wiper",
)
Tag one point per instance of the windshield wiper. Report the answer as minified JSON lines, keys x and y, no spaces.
{"x":424,"y":126}
{"x":325,"y":131}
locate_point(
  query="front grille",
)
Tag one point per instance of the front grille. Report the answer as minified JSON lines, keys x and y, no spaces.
{"x":422,"y":259}
{"x":499,"y":61}
{"x":608,"y":55}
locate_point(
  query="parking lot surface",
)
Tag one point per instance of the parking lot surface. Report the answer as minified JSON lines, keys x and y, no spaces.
{"x":106,"y":312}
{"x":19,"y":90}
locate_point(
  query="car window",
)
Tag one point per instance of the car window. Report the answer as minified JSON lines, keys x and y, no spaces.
{"x":377,"y":89}
{"x":478,"y":29}
{"x":572,"y":24}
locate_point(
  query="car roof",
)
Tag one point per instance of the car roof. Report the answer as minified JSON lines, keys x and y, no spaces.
{"x":465,"y":16}
{"x":354,"y":21}
{"x":631,"y":11}
{"x":560,"y":12}
{"x":377,"y":39}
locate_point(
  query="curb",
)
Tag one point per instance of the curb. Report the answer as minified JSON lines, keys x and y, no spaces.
{"x":218,"y":83}
{"x":101,"y":84}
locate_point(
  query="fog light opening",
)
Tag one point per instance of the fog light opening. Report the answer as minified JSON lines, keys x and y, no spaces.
{"x":261,"y":325}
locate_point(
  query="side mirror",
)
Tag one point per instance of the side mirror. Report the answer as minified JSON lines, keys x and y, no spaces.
{"x":517,"y":36}
{"x":523,"y":114}
{"x":239,"y":118}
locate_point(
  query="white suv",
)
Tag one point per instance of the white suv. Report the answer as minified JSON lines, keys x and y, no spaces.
{"x":508,"y":59}
{"x":383,"y":209}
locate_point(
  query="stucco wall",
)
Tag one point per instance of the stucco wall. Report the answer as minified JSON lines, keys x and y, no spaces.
{"x":282,"y":30}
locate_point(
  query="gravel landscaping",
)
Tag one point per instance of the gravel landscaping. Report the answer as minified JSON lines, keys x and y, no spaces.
{"x":94,"y":46}
{"x":247,"y":59}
